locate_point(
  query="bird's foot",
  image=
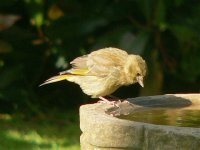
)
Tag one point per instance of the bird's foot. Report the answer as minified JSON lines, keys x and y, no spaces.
{"x":113,"y":103}
{"x":106,"y":101}
{"x":121,"y":101}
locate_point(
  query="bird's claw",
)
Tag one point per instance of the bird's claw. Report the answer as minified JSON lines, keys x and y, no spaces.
{"x":113,"y":103}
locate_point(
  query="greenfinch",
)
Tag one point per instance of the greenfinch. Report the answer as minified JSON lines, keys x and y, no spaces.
{"x":103,"y":71}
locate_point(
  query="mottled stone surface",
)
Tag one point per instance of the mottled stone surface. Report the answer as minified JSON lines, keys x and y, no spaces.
{"x":102,"y":131}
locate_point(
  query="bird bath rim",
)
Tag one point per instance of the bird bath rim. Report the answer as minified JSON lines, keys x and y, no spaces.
{"x":103,"y":109}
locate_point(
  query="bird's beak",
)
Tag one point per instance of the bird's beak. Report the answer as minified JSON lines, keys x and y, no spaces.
{"x":140,"y":80}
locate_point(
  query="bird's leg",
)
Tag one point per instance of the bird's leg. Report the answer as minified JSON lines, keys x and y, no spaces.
{"x":106,"y":101}
{"x":119,"y":100}
{"x":103,"y":100}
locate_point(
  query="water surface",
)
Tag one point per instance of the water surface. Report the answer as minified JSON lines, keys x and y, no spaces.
{"x":164,"y":116}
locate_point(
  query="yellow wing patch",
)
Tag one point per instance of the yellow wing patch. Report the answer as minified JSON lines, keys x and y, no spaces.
{"x":81,"y":72}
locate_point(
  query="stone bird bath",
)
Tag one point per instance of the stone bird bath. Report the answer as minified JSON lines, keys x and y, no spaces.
{"x":102,"y":131}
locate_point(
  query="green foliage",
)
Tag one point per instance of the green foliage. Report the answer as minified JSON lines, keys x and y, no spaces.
{"x":59,"y":131}
{"x":39,"y":38}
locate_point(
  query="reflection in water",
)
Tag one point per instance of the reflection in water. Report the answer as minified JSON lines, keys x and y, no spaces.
{"x":161,"y":116}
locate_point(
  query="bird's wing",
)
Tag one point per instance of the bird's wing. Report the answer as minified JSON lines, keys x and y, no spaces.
{"x":102,"y":62}
{"x":98,"y":63}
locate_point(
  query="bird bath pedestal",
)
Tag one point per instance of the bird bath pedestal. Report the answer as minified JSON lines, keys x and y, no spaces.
{"x":102,"y":131}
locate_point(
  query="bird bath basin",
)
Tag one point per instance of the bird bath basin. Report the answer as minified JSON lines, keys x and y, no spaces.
{"x":160,"y":122}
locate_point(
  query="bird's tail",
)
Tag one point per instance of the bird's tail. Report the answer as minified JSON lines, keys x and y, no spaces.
{"x":56,"y":79}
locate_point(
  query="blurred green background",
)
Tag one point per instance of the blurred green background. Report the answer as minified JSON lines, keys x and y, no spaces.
{"x":38,"y":39}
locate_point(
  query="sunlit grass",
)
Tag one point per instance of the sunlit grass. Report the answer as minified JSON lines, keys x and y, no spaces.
{"x":36,"y":134}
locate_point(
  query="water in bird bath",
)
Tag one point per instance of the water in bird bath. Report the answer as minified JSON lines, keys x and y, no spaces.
{"x":166,"y":116}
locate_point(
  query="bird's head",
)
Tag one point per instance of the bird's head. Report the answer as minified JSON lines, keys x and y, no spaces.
{"x":135,"y":69}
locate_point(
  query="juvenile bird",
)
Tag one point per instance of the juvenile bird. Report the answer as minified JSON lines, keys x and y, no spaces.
{"x":103,"y":71}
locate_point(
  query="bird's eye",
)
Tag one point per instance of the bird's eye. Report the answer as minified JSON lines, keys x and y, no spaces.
{"x":138,"y":74}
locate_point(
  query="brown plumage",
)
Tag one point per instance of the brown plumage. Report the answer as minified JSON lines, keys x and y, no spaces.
{"x":102,"y":72}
